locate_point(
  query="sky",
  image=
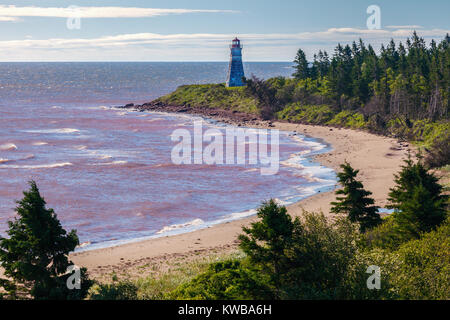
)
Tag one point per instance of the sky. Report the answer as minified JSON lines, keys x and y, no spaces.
{"x":200,"y":30}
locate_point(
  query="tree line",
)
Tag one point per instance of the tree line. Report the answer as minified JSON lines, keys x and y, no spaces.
{"x":409,"y":80}
{"x":403,"y":91}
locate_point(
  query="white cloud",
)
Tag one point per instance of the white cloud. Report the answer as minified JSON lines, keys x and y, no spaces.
{"x":13,"y":12}
{"x":8,"y":19}
{"x":334,"y":35}
{"x":405,"y":27}
{"x":199,"y":46}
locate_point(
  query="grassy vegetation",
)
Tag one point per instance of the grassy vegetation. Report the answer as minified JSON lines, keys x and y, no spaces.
{"x":311,"y":114}
{"x":212,"y":96}
{"x":422,"y":132}
{"x":158,"y":286}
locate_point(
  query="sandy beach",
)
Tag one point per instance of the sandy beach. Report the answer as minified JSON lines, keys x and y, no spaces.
{"x":378,"y":158}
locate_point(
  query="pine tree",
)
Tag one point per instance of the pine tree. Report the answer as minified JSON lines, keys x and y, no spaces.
{"x":355,"y":202}
{"x":301,"y":65}
{"x":417,"y":198}
{"x":35,"y":254}
{"x":266,"y":241}
{"x":315,"y":68}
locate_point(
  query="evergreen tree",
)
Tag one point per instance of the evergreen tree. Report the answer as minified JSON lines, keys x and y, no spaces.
{"x":402,"y":63}
{"x":301,"y":65}
{"x":417,"y":198}
{"x":324,"y":63}
{"x":266,"y":241}
{"x":355,"y":202}
{"x":35,"y":254}
{"x":315,"y":68}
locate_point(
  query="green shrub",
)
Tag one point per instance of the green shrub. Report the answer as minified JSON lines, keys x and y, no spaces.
{"x":387,"y":235}
{"x":424,"y":268}
{"x":310,"y":114}
{"x":426,"y":132}
{"x":228,"y":280}
{"x":388,"y":262}
{"x":418,"y":269}
{"x":439,"y":152}
{"x":123,"y":290}
{"x":348,"y":119}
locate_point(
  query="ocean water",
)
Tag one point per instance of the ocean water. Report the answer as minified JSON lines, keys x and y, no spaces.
{"x":108,"y":173}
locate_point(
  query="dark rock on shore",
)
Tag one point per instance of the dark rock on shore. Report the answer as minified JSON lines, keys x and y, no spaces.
{"x":227,"y":116}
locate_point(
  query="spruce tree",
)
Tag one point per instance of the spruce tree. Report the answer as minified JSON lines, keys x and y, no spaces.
{"x":301,"y":65}
{"x":355,"y":201}
{"x":267,"y":240}
{"x":34,"y":256}
{"x":418,"y":199}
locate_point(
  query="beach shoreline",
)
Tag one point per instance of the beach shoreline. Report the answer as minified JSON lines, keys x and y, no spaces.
{"x":378,"y":158}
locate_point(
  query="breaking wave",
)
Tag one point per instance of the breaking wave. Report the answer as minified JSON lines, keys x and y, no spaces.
{"x":40,"y":143}
{"x":37,"y":166}
{"x":117,"y":162}
{"x":60,"y":130}
{"x":8,"y":147}
{"x":196,"y":222}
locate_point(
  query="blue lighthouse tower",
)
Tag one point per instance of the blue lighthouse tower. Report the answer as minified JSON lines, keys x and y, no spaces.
{"x":235,"y":69}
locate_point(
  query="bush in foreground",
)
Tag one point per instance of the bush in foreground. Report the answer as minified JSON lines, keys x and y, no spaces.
{"x":387,"y":235}
{"x":418,"y":269}
{"x":228,"y":280}
{"x":123,"y":290}
{"x":424,"y":268}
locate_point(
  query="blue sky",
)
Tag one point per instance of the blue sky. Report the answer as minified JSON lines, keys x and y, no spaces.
{"x":199,"y":30}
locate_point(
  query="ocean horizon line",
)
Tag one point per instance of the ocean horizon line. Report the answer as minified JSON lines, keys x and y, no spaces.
{"x":143,"y":61}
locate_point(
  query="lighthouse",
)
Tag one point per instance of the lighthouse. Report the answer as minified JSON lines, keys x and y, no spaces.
{"x":235,"y":69}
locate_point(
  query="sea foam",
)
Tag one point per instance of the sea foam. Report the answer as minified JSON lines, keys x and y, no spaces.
{"x":8,"y":147}
{"x":196,"y":222}
{"x":60,"y":130}
{"x":37,"y":166}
